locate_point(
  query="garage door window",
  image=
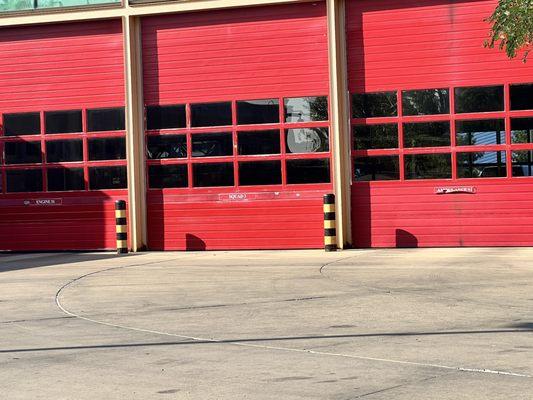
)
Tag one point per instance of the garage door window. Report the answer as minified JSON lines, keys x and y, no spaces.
{"x":443,"y":133}
{"x":68,"y":150}
{"x":243,"y":142}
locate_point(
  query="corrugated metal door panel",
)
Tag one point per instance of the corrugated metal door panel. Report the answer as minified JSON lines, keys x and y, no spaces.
{"x":60,"y":67}
{"x":250,"y":53}
{"x":242,"y":54}
{"x":401,"y":44}
{"x":398,"y":45}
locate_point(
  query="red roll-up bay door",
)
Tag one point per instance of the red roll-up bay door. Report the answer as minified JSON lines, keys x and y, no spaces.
{"x":442,"y":128}
{"x":237,"y":132}
{"x":62,"y":150}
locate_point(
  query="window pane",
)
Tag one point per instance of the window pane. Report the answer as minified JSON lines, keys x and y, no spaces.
{"x":259,"y":142}
{"x":60,"y":179}
{"x":27,"y":180}
{"x":63,"y":121}
{"x":522,"y":130}
{"x":522,"y":163}
{"x":522,"y":97}
{"x":258,"y":111}
{"x":212,"y":145}
{"x":260,"y":173}
{"x":307,"y":140}
{"x":382,"y":168}
{"x":107,"y":178}
{"x":308,"y":171}
{"x":165,"y":117}
{"x":426,"y":102}
{"x":106,"y":119}
{"x":368,"y":105}
{"x":211,"y":114}
{"x":478,"y":99}
{"x":167,"y":146}
{"x":219,"y":174}
{"x":168,"y":176}
{"x":428,"y":166}
{"x":304,"y":109}
{"x":426,"y":134}
{"x":375,"y":136}
{"x":22,"y":124}
{"x":480,"y":132}
{"x":481,"y":164}
{"x":64,"y":151}
{"x":22,"y":152}
{"x":107,"y":149}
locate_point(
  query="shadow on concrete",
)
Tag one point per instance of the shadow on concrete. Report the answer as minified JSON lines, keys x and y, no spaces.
{"x":254,"y":340}
{"x":13,"y":262}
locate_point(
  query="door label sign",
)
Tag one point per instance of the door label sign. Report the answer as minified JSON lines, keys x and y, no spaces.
{"x":455,"y":189}
{"x":43,"y":202}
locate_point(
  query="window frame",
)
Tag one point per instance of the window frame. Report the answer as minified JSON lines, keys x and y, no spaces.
{"x":44,"y":165}
{"x":401,"y":151}
{"x":236,"y":158}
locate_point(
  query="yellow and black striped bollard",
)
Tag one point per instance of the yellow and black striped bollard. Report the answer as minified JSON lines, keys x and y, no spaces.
{"x":122,"y":227}
{"x":330,"y":230}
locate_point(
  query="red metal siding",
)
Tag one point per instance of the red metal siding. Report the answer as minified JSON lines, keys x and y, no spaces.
{"x":242,"y":54}
{"x":50,"y":68}
{"x":399,"y":45}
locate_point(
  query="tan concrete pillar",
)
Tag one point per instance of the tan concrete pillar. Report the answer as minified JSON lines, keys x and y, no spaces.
{"x":340,"y":119}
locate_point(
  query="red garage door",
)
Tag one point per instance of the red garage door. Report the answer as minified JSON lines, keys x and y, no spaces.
{"x":442,"y":128}
{"x":62,"y":150}
{"x":237,"y":133}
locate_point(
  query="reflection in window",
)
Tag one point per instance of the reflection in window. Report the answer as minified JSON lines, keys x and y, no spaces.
{"x":522,"y":130}
{"x":106,"y":119}
{"x":213,"y":174}
{"x":211,"y":114}
{"x":107,"y":149}
{"x":259,"y":142}
{"x":167,"y":146}
{"x":165,"y":117}
{"x":383,"y":136}
{"x":308,"y":171}
{"x":260,"y":173}
{"x":307,"y":140}
{"x":522,"y":163}
{"x":368,"y":105}
{"x":212,"y":145}
{"x":258,"y":111}
{"x":167,"y":176}
{"x":426,"y":102}
{"x":63,"y":121}
{"x":305,"y":109}
{"x":478,"y":99}
{"x":522,"y":97}
{"x":426,"y":134}
{"x":22,"y":152}
{"x":380,"y":168}
{"x":487,"y":164}
{"x":24,"y":180}
{"x":480,"y":132}
{"x":428,"y":166}
{"x":107,"y":178}
{"x":63,"y":179}
{"x":64,"y":151}
{"x":22,"y":124}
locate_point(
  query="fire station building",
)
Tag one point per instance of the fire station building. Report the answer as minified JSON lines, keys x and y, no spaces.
{"x":223,"y":123}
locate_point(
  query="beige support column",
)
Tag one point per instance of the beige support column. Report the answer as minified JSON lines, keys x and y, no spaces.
{"x":340,"y":119}
{"x":135,"y":133}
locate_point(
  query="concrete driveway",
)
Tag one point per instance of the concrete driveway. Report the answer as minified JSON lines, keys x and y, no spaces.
{"x":388,"y":324}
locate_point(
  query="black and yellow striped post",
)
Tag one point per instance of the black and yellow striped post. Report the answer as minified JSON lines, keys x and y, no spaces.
{"x":330,"y":230}
{"x":122,"y":227}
